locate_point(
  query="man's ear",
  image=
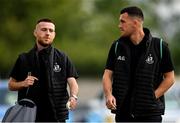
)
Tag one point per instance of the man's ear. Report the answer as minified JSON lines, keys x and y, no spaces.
{"x":137,"y":22}
{"x":34,"y":32}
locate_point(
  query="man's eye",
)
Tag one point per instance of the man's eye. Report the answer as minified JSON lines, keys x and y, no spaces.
{"x":43,"y":29}
{"x":51,"y":30}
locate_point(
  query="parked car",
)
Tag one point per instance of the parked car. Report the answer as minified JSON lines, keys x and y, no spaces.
{"x":7,"y":98}
{"x":172,"y":97}
{"x":79,"y":114}
{"x":96,"y":111}
{"x":93,"y":111}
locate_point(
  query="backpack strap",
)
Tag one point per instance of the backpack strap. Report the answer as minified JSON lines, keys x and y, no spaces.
{"x":116,"y":45}
{"x":25,"y":61}
{"x":161,"y":48}
{"x":28,"y":60}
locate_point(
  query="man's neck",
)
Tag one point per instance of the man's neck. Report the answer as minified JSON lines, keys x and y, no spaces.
{"x":137,"y":36}
{"x":40,"y":47}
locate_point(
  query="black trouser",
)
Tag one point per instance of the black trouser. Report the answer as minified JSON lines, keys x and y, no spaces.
{"x":131,"y":118}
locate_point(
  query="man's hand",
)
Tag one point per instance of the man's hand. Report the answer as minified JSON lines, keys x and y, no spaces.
{"x":29,"y":81}
{"x":111,"y":102}
{"x":73,"y":103}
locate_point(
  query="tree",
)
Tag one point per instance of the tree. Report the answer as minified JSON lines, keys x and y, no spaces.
{"x":85,"y":29}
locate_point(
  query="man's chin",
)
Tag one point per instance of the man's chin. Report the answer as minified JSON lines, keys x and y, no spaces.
{"x":122,"y":35}
{"x":44,"y":45}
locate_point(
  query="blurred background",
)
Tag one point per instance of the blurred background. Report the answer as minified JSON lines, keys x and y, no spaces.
{"x":85,"y":30}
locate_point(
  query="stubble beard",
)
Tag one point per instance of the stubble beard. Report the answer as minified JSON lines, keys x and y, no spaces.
{"x":44,"y":44}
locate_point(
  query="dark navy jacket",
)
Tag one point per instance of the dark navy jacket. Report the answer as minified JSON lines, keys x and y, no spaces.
{"x":59,"y":68}
{"x":147,"y":78}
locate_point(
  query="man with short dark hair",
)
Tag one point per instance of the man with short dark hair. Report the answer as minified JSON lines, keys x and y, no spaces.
{"x":138,"y":71}
{"x":42,"y":75}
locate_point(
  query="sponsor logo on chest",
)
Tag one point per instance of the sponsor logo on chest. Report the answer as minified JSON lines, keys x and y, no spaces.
{"x":150,"y":59}
{"x":56,"y":68}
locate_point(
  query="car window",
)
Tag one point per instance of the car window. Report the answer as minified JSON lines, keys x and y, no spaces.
{"x":173,"y":99}
{"x":7,"y":97}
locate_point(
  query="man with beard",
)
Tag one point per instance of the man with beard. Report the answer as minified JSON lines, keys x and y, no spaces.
{"x":42,"y":75}
{"x":138,"y":71}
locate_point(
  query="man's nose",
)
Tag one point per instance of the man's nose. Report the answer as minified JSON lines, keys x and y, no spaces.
{"x":48,"y":32}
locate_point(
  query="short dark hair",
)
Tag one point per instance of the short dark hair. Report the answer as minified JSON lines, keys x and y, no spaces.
{"x":45,"y":20}
{"x":133,"y":11}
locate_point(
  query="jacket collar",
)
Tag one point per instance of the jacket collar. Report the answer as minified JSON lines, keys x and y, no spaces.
{"x":147,"y":37}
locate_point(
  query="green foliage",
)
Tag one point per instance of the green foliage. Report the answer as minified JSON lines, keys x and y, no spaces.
{"x":175,"y":52}
{"x":85,"y":29}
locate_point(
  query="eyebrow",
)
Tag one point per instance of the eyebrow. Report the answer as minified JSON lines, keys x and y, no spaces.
{"x":50,"y":29}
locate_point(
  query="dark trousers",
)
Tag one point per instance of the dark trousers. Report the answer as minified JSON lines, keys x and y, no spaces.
{"x":131,"y":118}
